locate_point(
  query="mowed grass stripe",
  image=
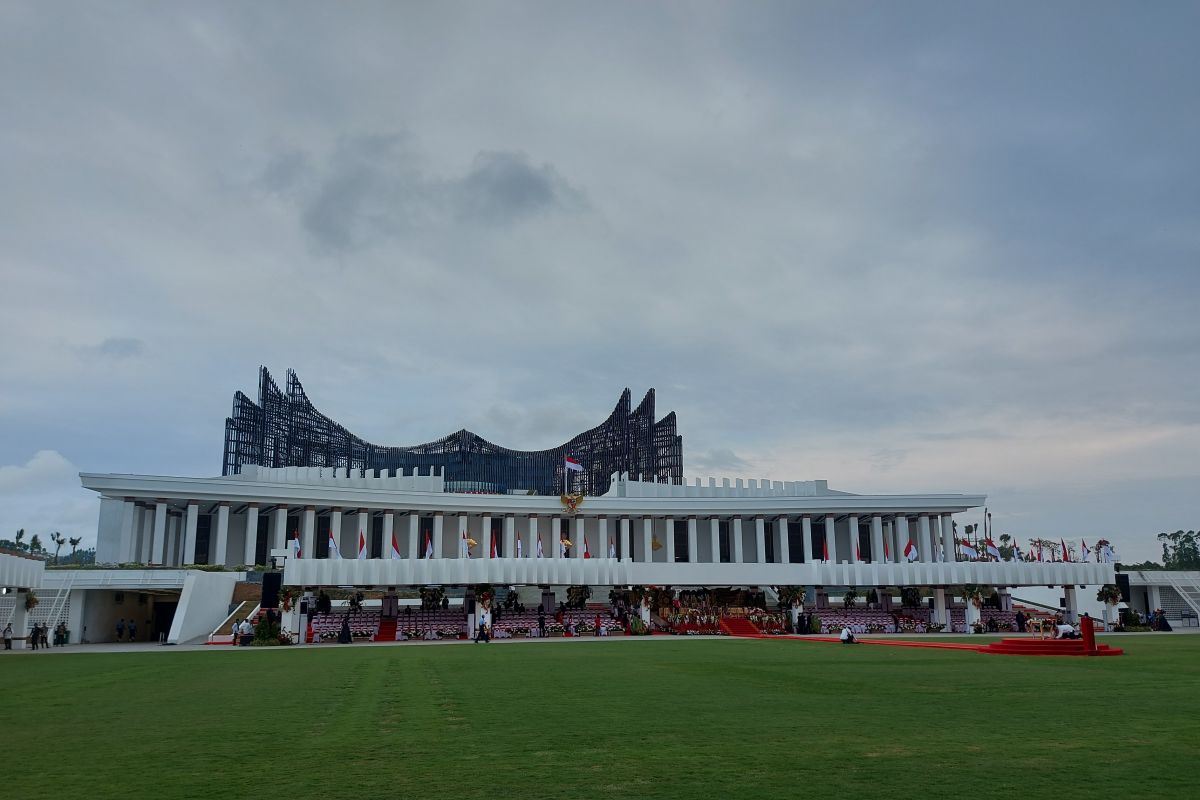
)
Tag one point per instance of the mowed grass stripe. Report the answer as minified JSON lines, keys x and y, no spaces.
{"x":677,"y":718}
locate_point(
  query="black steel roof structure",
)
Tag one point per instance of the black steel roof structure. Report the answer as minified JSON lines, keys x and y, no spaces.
{"x":283,"y":429}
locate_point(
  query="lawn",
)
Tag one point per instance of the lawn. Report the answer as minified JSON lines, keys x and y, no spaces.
{"x":600,"y":719}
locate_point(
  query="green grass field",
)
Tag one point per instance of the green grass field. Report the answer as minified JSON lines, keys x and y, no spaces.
{"x":675,"y":718}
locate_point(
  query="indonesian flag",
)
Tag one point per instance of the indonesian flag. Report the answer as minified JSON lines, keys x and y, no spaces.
{"x":887,"y":556}
{"x":465,"y":546}
{"x":493,"y":550}
{"x":429,"y":545}
{"x":519,"y":554}
{"x":586,"y":553}
{"x":572,"y":465}
{"x":910,"y":551}
{"x":1066,"y":552}
{"x":395,"y":547}
{"x":612,"y":548}
{"x":539,"y":547}
{"x":857,"y":552}
{"x":825,"y":550}
{"x":296,"y":546}
{"x":1040,"y":554}
{"x":968,"y":549}
{"x":334,"y":552}
{"x":362,"y":545}
{"x":1083,"y":552}
{"x":992,"y":550}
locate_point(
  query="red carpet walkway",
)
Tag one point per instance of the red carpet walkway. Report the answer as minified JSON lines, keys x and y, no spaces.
{"x":1015,"y":647}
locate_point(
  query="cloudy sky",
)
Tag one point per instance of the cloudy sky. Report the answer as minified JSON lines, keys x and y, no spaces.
{"x":902,"y":247}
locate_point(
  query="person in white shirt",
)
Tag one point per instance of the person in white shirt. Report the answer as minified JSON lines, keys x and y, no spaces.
{"x":1065,"y":631}
{"x":847,"y":636}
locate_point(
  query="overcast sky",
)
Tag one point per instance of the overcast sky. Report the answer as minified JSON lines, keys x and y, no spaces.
{"x":947,"y":247}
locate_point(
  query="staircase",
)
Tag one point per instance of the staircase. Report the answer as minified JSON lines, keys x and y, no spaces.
{"x":387,"y":630}
{"x":1188,"y":592}
{"x":1048,"y":647}
{"x":739,"y":626}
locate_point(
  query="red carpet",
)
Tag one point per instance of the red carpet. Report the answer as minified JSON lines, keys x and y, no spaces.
{"x":1048,"y":647}
{"x":387,"y":630}
{"x":740,"y":626}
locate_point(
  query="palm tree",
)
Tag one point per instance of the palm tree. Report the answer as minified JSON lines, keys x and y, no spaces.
{"x":35,"y":544}
{"x":20,"y":536}
{"x":59,"y":540}
{"x":74,"y":542}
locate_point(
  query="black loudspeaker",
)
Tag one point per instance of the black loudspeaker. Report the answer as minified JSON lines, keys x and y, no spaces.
{"x":270,"y":593}
{"x":1123,"y":585}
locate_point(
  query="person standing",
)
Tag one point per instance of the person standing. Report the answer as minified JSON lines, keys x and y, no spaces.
{"x":1020,"y":622}
{"x":120,"y":628}
{"x":8,"y":636}
{"x":132,"y":630}
{"x":542,"y":623}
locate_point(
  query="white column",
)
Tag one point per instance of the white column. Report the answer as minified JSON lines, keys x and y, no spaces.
{"x":714,"y":535}
{"x":830,"y":538}
{"x":159,"y":547}
{"x":510,"y":535}
{"x":531,"y":550}
{"x":578,"y":534}
{"x":364,"y":532}
{"x":924,"y":541}
{"x":485,"y":537}
{"x":669,"y":527}
{"x":251,"y":534}
{"x":626,"y":552}
{"x":414,"y":534}
{"x":555,"y":537}
{"x":20,"y":621}
{"x":278,"y":530}
{"x":389,"y":528}
{"x":147,"y":537}
{"x":854,"y":548}
{"x":693,"y":541}
{"x":940,"y":612}
{"x":902,"y":538}
{"x":222,"y":534}
{"x":438,"y":523}
{"x":760,"y":540}
{"x":876,"y":539}
{"x":335,"y":528}
{"x":1072,"y":607}
{"x":648,"y":538}
{"x":806,"y":535}
{"x":174,"y":547}
{"x":188,"y":556}
{"x":736,"y":535}
{"x":948,"y":537}
{"x":127,"y":548}
{"x":602,"y":537}
{"x":784,"y":553}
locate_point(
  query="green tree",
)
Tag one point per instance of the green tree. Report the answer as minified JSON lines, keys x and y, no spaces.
{"x":35,"y":544}
{"x":20,"y":536}
{"x":1181,"y":550}
{"x":59,"y":540}
{"x":74,"y":542}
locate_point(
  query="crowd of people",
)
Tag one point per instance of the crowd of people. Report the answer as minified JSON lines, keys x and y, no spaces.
{"x":39,"y":636}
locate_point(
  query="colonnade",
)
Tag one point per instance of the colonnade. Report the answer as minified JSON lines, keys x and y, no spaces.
{"x":165,"y":532}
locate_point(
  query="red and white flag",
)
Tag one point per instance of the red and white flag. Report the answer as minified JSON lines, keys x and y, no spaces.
{"x":493,"y":549}
{"x":910,"y":551}
{"x":887,"y":556}
{"x":586,"y":553}
{"x":968,"y":549}
{"x":1066,"y":552}
{"x":572,"y":465}
{"x":334,"y":552}
{"x":825,"y":550}
{"x":519,"y":549}
{"x":429,"y":545}
{"x":1083,"y":551}
{"x":992,"y":550}
{"x":362,"y":545}
{"x":395,"y":548}
{"x":857,"y":552}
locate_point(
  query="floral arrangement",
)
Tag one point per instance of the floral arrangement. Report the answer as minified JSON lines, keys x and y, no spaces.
{"x":31,"y":601}
{"x":286,"y":598}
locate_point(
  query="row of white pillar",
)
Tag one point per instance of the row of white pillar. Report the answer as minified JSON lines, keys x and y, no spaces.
{"x":151,"y":535}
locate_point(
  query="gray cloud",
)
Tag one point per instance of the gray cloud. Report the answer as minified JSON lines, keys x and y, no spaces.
{"x":951,"y":249}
